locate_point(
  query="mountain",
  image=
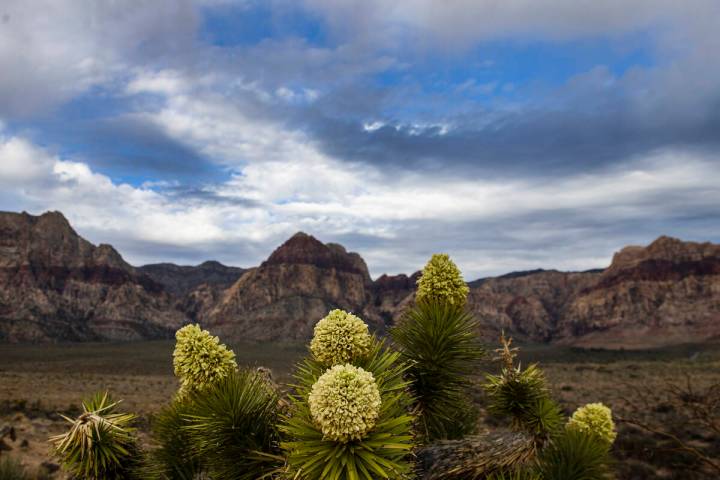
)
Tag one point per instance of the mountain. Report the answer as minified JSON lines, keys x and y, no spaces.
{"x":180,"y":280}
{"x":56,"y":286}
{"x":665,"y":293}
{"x":288,"y":293}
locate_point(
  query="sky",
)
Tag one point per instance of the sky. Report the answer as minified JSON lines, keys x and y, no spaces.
{"x":513,"y":134}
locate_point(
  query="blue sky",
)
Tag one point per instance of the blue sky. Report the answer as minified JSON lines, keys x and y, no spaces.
{"x":512,"y":135}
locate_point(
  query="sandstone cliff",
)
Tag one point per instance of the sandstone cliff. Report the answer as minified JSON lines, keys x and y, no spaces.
{"x":288,"y":293}
{"x":666,"y":293}
{"x":56,"y":286}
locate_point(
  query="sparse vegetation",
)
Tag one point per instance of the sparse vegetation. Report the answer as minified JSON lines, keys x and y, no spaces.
{"x":616,"y":378}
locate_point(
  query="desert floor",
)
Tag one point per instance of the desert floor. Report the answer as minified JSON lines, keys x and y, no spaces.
{"x":39,"y":381}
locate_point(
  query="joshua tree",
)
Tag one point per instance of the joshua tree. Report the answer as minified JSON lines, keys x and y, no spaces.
{"x":540,"y":444}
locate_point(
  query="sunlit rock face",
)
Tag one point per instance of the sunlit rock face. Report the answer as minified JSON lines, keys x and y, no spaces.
{"x":666,"y":293}
{"x":662,"y":294}
{"x":56,"y":286}
{"x":286,"y":295}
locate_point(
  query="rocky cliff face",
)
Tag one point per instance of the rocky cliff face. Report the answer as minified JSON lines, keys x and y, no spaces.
{"x":287,"y":294}
{"x":666,"y":293}
{"x":54,"y":286}
{"x":180,"y":280}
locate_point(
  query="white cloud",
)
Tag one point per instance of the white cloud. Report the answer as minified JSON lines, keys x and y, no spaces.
{"x":53,"y":50}
{"x":332,"y":199}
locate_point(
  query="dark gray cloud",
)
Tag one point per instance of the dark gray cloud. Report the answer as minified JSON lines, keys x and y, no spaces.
{"x":568,"y":132}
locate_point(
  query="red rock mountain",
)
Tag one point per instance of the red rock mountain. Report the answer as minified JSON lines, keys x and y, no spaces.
{"x":288,"y":293}
{"x":665,"y":293}
{"x":56,"y":286}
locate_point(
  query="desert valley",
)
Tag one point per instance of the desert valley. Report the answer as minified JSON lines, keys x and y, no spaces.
{"x":76,"y":318}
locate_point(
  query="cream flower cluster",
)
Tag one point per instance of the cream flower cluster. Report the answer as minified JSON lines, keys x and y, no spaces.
{"x":441,"y":280}
{"x":200,"y":359}
{"x":345,"y":403}
{"x":340,"y":337}
{"x":594,"y":418}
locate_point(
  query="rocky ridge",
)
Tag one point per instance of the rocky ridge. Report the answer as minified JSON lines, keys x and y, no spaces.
{"x":180,"y":280}
{"x":56,"y":286}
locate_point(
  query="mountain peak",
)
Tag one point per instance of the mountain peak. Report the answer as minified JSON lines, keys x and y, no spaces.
{"x":304,"y":249}
{"x":663,"y":249}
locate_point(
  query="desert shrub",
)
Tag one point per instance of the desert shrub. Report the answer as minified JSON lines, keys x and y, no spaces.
{"x":440,"y":342}
{"x":11,"y":469}
{"x":101,"y":442}
{"x":232,"y":427}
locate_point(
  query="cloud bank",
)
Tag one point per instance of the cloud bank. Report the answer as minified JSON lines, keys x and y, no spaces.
{"x":511,"y":135}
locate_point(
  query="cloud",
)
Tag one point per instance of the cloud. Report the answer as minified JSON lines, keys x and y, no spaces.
{"x":472,"y":21}
{"x":354,"y":139}
{"x":490,"y":227}
{"x":73,"y":45}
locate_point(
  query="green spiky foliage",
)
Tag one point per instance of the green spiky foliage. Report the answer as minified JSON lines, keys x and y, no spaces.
{"x":200,"y":359}
{"x":232,"y":427}
{"x":522,"y":396}
{"x":440,"y":342}
{"x":100,"y":443}
{"x":575,"y":455}
{"x":441,"y":281}
{"x":172,"y":457}
{"x":576,"y":451}
{"x":383,"y":452}
{"x":520,"y":474}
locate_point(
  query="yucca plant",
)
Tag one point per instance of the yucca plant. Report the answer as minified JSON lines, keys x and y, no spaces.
{"x":575,"y":455}
{"x":101,"y":442}
{"x":577,"y":450}
{"x":200,"y":359}
{"x":522,"y":396}
{"x":440,"y":340}
{"x":350,"y":421}
{"x":232,"y":427}
{"x":172,"y":456}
